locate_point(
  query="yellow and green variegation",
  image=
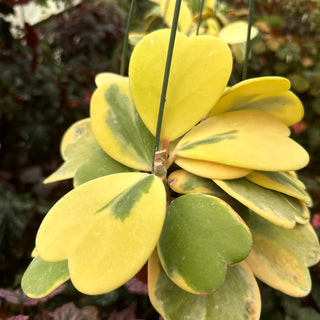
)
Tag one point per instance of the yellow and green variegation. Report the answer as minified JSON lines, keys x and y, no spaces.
{"x":77,"y":145}
{"x":201,"y":236}
{"x":237,"y":298}
{"x":245,"y":139}
{"x":118,"y":127}
{"x":42,"y":277}
{"x":270,"y":94}
{"x":106,"y":229}
{"x":281,"y":257}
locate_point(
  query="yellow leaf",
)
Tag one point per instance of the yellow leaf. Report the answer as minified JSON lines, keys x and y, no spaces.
{"x":190,"y":93}
{"x":265,"y":93}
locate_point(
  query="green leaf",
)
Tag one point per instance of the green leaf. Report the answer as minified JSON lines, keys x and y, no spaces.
{"x":200,"y":237}
{"x":280,"y":257}
{"x":42,"y":277}
{"x":237,"y":298}
{"x":98,"y":165}
{"x":220,"y":138}
{"x":77,"y":145}
{"x":106,"y":229}
{"x":118,"y":127}
{"x":269,"y":204}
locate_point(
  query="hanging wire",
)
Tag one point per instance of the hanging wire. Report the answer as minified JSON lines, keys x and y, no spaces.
{"x":246,"y":58}
{"x":126,"y":39}
{"x":200,"y":16}
{"x":166,"y":78}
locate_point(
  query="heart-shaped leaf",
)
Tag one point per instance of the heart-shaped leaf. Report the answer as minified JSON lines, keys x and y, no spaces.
{"x":245,"y":139}
{"x":190,"y":93}
{"x":118,"y":127}
{"x":98,"y":165}
{"x":106,"y":228}
{"x":77,"y":145}
{"x":41,"y":277}
{"x":280,"y":257}
{"x":201,"y":236}
{"x":265,"y":93}
{"x":236,"y":32}
{"x":269,"y":204}
{"x":282,"y":182}
{"x":211,"y":170}
{"x":185,"y":16}
{"x":237,"y":298}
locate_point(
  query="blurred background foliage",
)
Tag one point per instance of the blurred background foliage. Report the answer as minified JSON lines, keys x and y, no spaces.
{"x":47,"y":75}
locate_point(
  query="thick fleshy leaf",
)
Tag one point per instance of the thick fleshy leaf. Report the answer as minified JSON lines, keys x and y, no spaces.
{"x":41,"y":277}
{"x":185,"y":16}
{"x":211,"y":170}
{"x":237,"y":298}
{"x":184,"y":182}
{"x":282,"y":182}
{"x":236,"y":32}
{"x":98,"y":165}
{"x":201,"y":236}
{"x":251,"y":139}
{"x":107,"y":77}
{"x":118,"y":127}
{"x":280,"y":257}
{"x":265,"y":93}
{"x":77,"y":145}
{"x":106,"y":228}
{"x":269,"y":204}
{"x":190,"y":93}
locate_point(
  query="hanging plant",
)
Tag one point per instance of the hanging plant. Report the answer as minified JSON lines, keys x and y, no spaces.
{"x":206,"y":193}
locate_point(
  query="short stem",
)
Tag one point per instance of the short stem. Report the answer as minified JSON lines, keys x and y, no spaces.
{"x":250,"y":19}
{"x":126,"y":39}
{"x":166,"y":78}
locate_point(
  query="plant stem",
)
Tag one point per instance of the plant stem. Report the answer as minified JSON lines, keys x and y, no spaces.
{"x":126,"y":39}
{"x":200,"y":16}
{"x":166,"y":78}
{"x":250,"y":18}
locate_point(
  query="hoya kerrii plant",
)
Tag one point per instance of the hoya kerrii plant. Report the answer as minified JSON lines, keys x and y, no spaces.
{"x":202,"y":190}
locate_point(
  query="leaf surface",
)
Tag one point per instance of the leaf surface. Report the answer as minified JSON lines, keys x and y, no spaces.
{"x":281,"y":182}
{"x":270,"y":94}
{"x":98,"y":165}
{"x":245,"y":139}
{"x":237,"y":298}
{"x":200,"y":237}
{"x":190,"y":94}
{"x":280,"y":257}
{"x":106,"y":228}
{"x":77,"y":145}
{"x":118,"y":127}
{"x":41,"y":277}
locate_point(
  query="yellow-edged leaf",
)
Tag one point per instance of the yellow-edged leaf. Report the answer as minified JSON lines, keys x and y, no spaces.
{"x":251,"y":139}
{"x":77,"y":145}
{"x":118,"y":127}
{"x":237,"y":298}
{"x":282,"y":182}
{"x":201,"y":236}
{"x":270,"y":94}
{"x":190,"y":94}
{"x":211,"y":170}
{"x":106,"y":228}
{"x":280,"y":257}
